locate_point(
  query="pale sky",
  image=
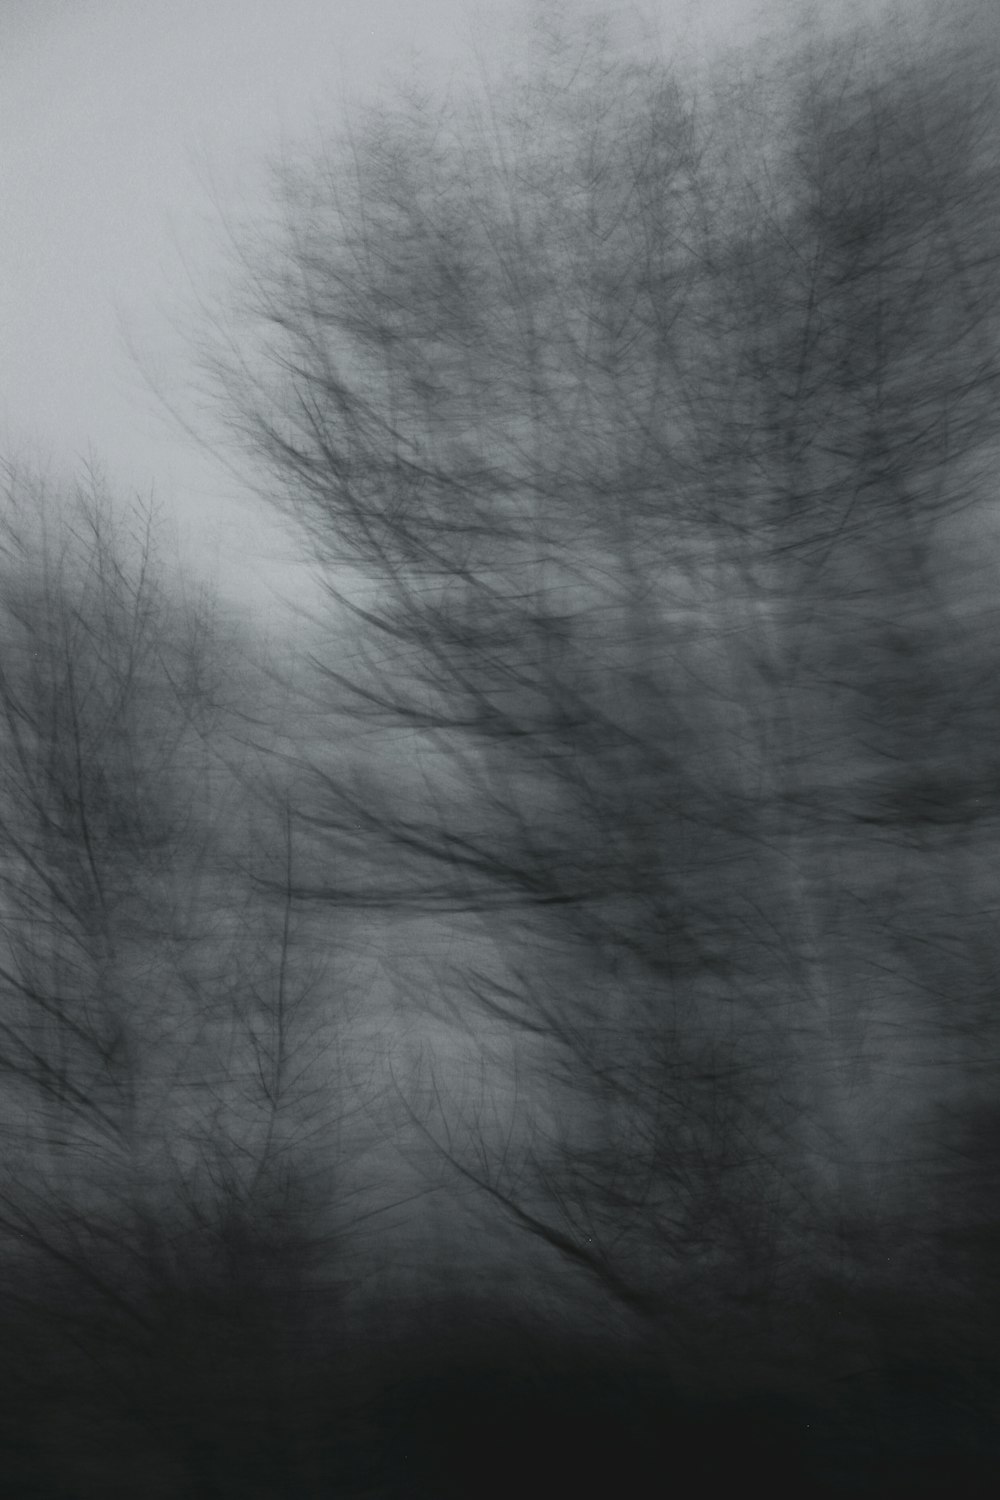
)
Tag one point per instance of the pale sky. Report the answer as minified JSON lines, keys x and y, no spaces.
{"x":126,"y":125}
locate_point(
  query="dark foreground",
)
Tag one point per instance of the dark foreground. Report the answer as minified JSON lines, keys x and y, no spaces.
{"x":223,"y":1404}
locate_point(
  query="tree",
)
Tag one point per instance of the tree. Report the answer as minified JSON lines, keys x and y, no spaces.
{"x":624,"y":425}
{"x":165,"y":1024}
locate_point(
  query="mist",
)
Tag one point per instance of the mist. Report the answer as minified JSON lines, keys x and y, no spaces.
{"x":498,"y":993}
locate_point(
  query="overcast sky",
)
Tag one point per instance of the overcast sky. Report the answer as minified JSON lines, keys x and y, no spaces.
{"x":126,"y":125}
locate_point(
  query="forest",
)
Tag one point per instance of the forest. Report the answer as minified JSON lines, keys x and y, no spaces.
{"x":530,"y":1025}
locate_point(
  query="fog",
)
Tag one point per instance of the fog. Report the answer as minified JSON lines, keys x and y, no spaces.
{"x":498,"y":770}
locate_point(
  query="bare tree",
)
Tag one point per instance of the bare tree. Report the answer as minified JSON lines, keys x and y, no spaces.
{"x":478,"y":406}
{"x":170,"y":1191}
{"x":632,"y":428}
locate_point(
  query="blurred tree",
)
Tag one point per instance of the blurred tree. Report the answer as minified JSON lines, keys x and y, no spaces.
{"x":166,"y":1032}
{"x":630,"y":427}
{"x":854,"y":331}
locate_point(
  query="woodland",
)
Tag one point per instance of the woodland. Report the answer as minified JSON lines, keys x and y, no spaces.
{"x":529,"y":1025}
